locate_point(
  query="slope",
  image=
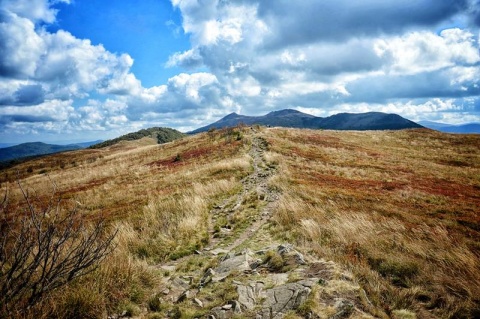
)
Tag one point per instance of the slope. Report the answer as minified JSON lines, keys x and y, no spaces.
{"x":286,"y":222}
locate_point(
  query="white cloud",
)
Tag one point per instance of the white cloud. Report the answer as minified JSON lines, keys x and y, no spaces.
{"x":34,"y":10}
{"x":20,"y":46}
{"x":425,"y":51}
{"x":48,"y":111}
{"x":247,"y":56}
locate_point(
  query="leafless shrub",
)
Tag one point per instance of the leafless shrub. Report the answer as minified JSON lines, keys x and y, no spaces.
{"x":43,"y":248}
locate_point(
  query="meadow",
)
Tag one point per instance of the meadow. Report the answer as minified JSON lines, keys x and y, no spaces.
{"x":398,"y":209}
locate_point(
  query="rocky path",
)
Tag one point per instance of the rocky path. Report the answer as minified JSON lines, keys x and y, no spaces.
{"x":254,"y":185}
{"x":244,"y":273}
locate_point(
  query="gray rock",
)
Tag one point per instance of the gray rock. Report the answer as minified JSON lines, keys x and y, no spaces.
{"x":180,"y":283}
{"x":286,"y":297}
{"x":218,"y":313}
{"x":236,"y":306}
{"x":344,"y":308}
{"x":218,"y":251}
{"x":238,"y":263}
{"x":227,"y":307}
{"x":284,"y":249}
{"x":248,"y":295}
{"x":187,"y":294}
{"x":207,"y":277}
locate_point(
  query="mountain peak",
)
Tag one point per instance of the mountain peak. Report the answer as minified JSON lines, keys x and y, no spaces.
{"x":285,"y":112}
{"x":231,"y":116}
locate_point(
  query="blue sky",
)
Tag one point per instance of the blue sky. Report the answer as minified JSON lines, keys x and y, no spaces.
{"x":83,"y":70}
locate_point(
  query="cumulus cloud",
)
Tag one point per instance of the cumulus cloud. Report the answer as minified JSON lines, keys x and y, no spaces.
{"x":322,"y":55}
{"x":419,"y":59}
{"x":337,"y":20}
{"x":418,"y":52}
{"x":42,"y":73}
{"x":34,"y":10}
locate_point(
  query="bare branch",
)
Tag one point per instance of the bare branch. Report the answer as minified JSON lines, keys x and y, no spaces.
{"x":41,"y":250}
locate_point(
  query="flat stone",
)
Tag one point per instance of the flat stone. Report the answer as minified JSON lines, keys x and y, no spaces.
{"x":248,"y":295}
{"x":286,"y":297}
{"x":218,"y":251}
{"x":181,"y":283}
{"x":279,"y":279}
{"x":238,"y":263}
{"x":168,"y":268}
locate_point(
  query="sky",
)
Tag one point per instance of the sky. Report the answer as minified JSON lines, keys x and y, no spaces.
{"x":82,"y":70}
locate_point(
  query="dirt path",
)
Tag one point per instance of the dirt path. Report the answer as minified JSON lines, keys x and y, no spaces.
{"x":254,"y":185}
{"x":255,"y":276}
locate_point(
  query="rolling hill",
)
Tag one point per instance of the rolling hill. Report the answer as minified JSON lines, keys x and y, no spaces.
{"x":292,"y":223}
{"x":33,"y":149}
{"x":296,"y":119}
{"x":13,"y":154}
{"x":160,"y":134}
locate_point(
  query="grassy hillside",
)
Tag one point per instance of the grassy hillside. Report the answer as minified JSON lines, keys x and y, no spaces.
{"x":391,"y":217}
{"x":160,"y":134}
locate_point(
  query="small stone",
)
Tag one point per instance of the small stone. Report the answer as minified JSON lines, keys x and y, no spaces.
{"x":284,"y":248}
{"x":198,"y":302}
{"x":227,"y":307}
{"x":184,"y":296}
{"x":166,"y":291}
{"x":209,"y":272}
{"x":188,"y":278}
{"x":180,"y":283}
{"x":236,"y":306}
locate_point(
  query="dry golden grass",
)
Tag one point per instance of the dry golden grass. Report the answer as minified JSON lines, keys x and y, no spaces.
{"x":400,"y":209}
{"x":158,"y":203}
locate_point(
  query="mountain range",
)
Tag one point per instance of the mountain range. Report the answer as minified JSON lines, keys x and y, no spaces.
{"x":37,"y":149}
{"x":296,"y":119}
{"x":449,"y":128}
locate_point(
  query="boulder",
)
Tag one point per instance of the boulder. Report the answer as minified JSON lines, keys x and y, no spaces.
{"x":248,"y":295}
{"x":236,"y":263}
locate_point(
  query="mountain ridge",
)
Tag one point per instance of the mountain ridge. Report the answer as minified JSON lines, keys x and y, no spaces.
{"x":34,"y":149}
{"x":296,"y":119}
{"x":465,"y":128}
{"x":161,"y":134}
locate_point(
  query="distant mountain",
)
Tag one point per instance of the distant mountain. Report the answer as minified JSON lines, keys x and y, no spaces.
{"x":293,"y":118}
{"x":33,"y":149}
{"x":449,"y":128}
{"x":161,"y":134}
{"x":86,"y":144}
{"x":3,"y":145}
